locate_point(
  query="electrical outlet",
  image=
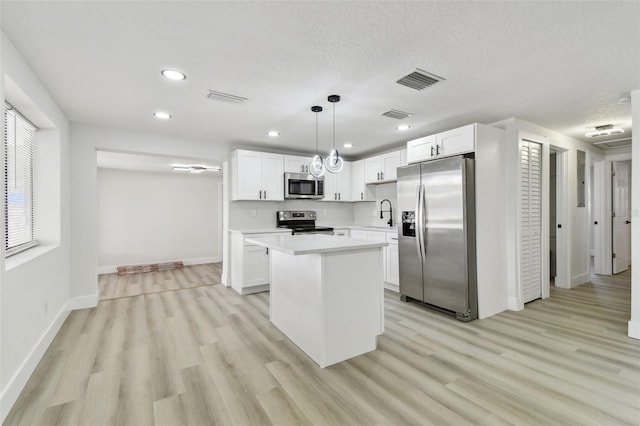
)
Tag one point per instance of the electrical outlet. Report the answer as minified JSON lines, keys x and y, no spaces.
{"x":254,"y":212}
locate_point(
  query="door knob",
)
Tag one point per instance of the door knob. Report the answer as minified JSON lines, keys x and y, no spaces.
{"x":559,"y":226}
{"x":595,"y":223}
{"x":627,"y":221}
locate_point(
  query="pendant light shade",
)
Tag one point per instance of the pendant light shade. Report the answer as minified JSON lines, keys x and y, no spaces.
{"x":334,"y":163}
{"x":316,"y":167}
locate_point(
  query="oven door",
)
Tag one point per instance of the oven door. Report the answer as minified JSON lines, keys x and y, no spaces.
{"x":299,"y":185}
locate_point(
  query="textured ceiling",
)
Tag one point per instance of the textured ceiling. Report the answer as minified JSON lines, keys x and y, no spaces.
{"x":562,"y":65}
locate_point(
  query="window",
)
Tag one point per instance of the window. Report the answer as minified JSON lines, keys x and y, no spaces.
{"x":19,"y":144}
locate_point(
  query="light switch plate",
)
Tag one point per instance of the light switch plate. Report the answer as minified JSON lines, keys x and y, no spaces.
{"x":254,"y":212}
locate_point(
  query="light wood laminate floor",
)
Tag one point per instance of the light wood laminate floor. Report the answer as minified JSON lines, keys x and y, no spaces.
{"x":206,"y":355}
{"x":114,"y":286}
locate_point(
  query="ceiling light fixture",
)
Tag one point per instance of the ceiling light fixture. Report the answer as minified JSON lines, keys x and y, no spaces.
{"x":604,"y":130}
{"x":316,"y":166}
{"x":173,"y":75}
{"x":273,"y":133}
{"x":347,"y":145}
{"x":403,"y":127}
{"x":162,"y":115}
{"x":334,"y":163}
{"x":195,"y":169}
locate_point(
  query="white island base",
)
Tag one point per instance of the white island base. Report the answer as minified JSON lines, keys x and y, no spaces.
{"x":331,"y":303}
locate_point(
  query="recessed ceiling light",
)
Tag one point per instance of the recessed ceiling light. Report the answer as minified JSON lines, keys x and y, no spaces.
{"x":273,"y":133}
{"x":173,"y":75}
{"x":403,"y":127}
{"x":162,"y":115}
{"x":347,"y":145}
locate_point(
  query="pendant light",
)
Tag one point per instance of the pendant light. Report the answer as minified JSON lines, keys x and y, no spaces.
{"x":316,"y":167}
{"x":334,"y":163}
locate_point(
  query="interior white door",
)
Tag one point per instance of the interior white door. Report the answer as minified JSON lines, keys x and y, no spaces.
{"x":621,"y":220}
{"x":530,"y":220}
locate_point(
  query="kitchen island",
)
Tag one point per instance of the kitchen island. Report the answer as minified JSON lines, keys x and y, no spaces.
{"x":326,"y":293}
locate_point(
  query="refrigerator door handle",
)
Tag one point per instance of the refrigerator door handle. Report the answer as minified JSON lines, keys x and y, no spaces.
{"x":423,"y":221}
{"x":417,"y":220}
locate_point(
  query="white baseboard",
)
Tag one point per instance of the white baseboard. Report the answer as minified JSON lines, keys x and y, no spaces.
{"x":83,"y":302}
{"x":195,"y":261}
{"x":224,"y":280}
{"x":20,"y":378}
{"x":634,"y":329}
{"x":580,"y":279}
{"x":252,"y":289}
{"x":392,"y":287}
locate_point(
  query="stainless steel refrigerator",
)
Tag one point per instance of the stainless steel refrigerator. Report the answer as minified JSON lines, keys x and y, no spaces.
{"x":436,"y":237}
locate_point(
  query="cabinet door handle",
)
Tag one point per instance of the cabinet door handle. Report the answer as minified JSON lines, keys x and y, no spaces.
{"x":335,"y":196}
{"x":341,"y":194}
{"x":381,"y":175}
{"x":267,"y":251}
{"x":265,"y":194}
{"x":437,"y":149}
{"x":362,"y":195}
{"x":261,"y":194}
{"x":432,"y":150}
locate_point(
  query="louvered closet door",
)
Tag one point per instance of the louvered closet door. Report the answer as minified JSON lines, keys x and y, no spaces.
{"x":531,"y":220}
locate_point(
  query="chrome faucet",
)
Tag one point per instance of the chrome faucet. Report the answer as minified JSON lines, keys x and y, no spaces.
{"x":390,"y":221}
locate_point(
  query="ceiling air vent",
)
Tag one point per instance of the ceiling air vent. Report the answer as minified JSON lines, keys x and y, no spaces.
{"x":225,"y":97}
{"x":398,"y":115}
{"x":419,"y":79}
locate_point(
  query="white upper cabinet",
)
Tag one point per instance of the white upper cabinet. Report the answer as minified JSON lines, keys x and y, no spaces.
{"x":359,"y":190}
{"x":337,"y":187}
{"x":382,"y":168}
{"x":257,"y":176}
{"x":445,"y":144}
{"x":456,"y":141}
{"x":421,"y":149}
{"x":296,"y":164}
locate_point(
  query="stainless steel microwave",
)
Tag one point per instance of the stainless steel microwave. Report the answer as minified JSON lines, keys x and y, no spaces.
{"x":303,"y":186}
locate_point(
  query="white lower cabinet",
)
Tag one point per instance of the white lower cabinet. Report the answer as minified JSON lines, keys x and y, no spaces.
{"x":390,"y":260}
{"x":250,"y":271}
{"x":393,"y":260}
{"x":341,"y":232}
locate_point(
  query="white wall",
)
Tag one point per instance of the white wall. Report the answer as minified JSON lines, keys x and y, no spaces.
{"x":634,"y":322}
{"x":148,"y":217}
{"x":34,"y":285}
{"x":86,"y":140}
{"x":577,"y":228}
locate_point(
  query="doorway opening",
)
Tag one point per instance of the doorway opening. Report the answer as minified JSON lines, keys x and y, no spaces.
{"x":620,"y":216}
{"x":558,"y":246}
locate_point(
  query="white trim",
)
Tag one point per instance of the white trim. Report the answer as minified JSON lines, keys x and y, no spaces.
{"x":634,"y":329}
{"x":598,"y":214}
{"x":583,"y":278}
{"x":83,"y":302}
{"x":618,"y":157}
{"x":17,"y":383}
{"x":515,"y":304}
{"x":196,"y":261}
{"x":255,"y":288}
{"x":392,"y":287}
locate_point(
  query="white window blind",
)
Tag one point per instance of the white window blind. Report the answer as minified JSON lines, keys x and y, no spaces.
{"x":19,"y":144}
{"x":531,"y":220}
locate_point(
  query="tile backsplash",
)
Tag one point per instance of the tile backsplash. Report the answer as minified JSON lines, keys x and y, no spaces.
{"x":241,"y":213}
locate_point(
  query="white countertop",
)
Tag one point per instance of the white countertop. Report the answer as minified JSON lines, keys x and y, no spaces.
{"x":314,"y":243}
{"x":273,"y":230}
{"x":261,"y":230}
